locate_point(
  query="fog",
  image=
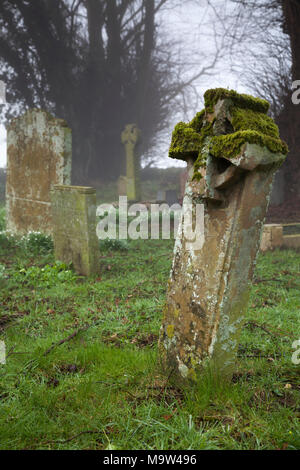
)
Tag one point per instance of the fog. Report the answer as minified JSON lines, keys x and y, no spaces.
{"x":191,"y":25}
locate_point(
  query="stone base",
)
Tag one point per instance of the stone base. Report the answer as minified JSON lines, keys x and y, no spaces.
{"x":272,"y":237}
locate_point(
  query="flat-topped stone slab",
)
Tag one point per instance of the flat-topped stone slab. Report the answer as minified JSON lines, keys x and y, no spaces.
{"x":272,"y":237}
{"x":74,"y":227}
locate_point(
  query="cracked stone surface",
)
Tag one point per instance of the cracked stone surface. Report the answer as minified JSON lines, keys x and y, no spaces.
{"x":209,"y":286}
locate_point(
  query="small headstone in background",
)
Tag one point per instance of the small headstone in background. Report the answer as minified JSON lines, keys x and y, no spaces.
{"x":161,"y":196}
{"x":272,"y":237}
{"x":74,"y":227}
{"x":130,"y":137}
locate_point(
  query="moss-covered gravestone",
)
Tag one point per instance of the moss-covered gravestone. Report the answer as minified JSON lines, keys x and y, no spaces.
{"x":39,"y":155}
{"x":74,"y":227}
{"x":130,"y":138}
{"x":239,"y":146}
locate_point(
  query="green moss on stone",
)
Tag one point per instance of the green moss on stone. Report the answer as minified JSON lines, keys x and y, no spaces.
{"x":170,"y":331}
{"x":248,"y":118}
{"x":212,"y":96}
{"x":197,"y":122}
{"x":186,"y":142}
{"x":230,"y":145}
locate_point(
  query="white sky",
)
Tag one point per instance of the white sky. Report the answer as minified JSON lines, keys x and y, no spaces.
{"x":183,"y":23}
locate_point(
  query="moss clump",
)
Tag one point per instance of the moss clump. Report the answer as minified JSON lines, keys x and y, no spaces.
{"x":197,"y":122}
{"x":230,"y":145}
{"x":249,"y":126}
{"x":212,"y":96}
{"x":248,"y":119}
{"x":186,"y":142}
{"x":170,"y":331}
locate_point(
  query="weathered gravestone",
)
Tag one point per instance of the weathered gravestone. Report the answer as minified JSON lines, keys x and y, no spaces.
{"x":74,"y":227}
{"x":39,"y":153}
{"x":130,"y":138}
{"x":209,"y":284}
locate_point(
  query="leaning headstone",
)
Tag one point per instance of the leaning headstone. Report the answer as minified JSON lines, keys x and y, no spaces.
{"x":208,"y":290}
{"x":74,"y":227}
{"x":39,"y":153}
{"x":130,"y":138}
{"x":291,"y":241}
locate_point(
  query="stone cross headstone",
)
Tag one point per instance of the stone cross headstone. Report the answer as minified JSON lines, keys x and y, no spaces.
{"x":130,"y":138}
{"x":208,"y":290}
{"x":2,"y":92}
{"x":39,"y":154}
{"x":74,"y":227}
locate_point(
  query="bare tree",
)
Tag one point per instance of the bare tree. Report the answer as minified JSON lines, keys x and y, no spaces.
{"x":264,"y":41}
{"x":100,"y":64}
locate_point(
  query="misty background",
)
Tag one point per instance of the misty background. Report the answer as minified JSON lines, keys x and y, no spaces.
{"x":101,"y":64}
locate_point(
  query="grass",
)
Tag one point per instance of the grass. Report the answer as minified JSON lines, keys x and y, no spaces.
{"x":102,"y":388}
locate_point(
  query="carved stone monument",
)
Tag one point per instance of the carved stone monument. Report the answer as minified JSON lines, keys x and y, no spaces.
{"x":74,"y":227}
{"x":39,"y":155}
{"x":130,"y":138}
{"x":239,"y":146}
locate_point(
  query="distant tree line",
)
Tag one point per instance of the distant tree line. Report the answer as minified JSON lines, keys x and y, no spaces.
{"x":99,"y":64}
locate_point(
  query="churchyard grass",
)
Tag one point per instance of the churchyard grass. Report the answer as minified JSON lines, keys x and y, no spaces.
{"x":82,"y":369}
